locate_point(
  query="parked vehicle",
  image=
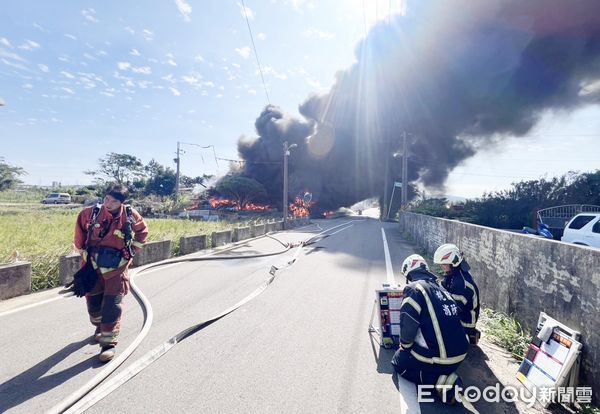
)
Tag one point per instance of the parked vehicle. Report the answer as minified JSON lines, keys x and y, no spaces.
{"x":583,"y":229}
{"x":541,"y":231}
{"x":57,"y":198}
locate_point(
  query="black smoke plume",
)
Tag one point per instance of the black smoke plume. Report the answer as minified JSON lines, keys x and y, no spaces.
{"x":456,"y":75}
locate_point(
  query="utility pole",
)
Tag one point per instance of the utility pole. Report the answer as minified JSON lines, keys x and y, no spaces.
{"x":385,"y":211}
{"x":286,"y":154}
{"x":177,"y":161}
{"x":404,"y":170}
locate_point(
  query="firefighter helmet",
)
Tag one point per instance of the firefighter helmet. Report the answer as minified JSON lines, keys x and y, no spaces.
{"x":412,"y":262}
{"x":448,"y":254}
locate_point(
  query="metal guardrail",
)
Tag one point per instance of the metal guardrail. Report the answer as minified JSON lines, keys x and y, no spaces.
{"x":557,"y":217}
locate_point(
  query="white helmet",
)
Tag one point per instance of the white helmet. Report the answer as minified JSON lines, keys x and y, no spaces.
{"x":448,"y":254}
{"x":412,"y":262}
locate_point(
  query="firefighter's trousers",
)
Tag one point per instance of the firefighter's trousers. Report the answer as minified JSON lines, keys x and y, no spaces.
{"x":104,"y":305}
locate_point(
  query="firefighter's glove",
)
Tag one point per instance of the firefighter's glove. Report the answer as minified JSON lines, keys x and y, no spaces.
{"x":78,"y":288}
{"x":84,"y":280}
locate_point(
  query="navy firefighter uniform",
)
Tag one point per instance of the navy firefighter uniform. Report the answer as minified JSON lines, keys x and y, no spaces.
{"x":432,"y":339}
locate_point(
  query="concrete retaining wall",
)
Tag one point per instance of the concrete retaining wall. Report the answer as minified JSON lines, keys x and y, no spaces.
{"x":68,"y":266}
{"x":241,"y":233}
{"x":153,"y":252}
{"x":524,"y":275}
{"x":192,"y":244}
{"x":219,"y":238}
{"x":257,"y":230}
{"x":15,"y":279}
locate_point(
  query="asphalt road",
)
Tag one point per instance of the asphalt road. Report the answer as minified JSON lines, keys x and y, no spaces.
{"x":301,"y":346}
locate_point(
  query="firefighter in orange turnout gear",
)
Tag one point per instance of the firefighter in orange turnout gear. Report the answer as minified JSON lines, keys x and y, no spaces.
{"x":108,"y":236}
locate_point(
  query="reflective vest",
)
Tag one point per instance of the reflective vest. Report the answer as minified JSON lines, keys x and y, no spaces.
{"x":430,"y":315}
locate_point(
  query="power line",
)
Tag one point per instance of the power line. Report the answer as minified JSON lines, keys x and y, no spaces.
{"x":255,"y":53}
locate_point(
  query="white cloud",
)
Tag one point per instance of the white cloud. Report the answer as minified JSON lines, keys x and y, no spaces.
{"x":267,"y":70}
{"x":251,"y":91}
{"x":171,"y":59}
{"x":101,"y":53}
{"x":209,"y":84}
{"x":199,"y":58}
{"x":40,"y":28}
{"x":43,"y":68}
{"x":88,"y":56}
{"x":218,"y":96}
{"x":109,"y":94}
{"x":145,"y":70}
{"x":319,"y":34}
{"x":243,"y":51}
{"x":185,"y":9}
{"x":192,"y":79}
{"x":63,"y":58}
{"x":169,"y":78}
{"x":261,"y":36}
{"x":90,"y":15}
{"x":27,"y":86}
{"x":70,"y":36}
{"x":248,"y":12}
{"x":129,"y":30}
{"x":68,"y":90}
{"x":123,"y":65}
{"x":10,"y":55}
{"x":135,"y":52}
{"x":175,"y":91}
{"x":148,"y":35}
{"x":67,"y":75}
{"x":29,"y":45}
{"x":236,"y":65}
{"x":4,"y":41}
{"x":144,"y":84}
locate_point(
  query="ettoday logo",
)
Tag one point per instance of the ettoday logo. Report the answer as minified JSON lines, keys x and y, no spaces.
{"x":509,"y":394}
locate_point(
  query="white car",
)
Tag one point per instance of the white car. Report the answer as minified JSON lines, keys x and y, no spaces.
{"x":583,"y":229}
{"x":57,"y":198}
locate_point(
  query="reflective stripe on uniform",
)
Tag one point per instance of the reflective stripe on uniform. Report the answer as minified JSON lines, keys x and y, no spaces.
{"x":122,"y":263}
{"x":119,"y":234}
{"x":475,"y":300}
{"x":475,"y":304}
{"x":410,"y":301}
{"x":434,"y":321}
{"x":470,"y":325}
{"x":437,"y":360}
{"x":460,"y":298}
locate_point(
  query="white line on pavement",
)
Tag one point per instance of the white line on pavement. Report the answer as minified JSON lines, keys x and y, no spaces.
{"x":31,"y":305}
{"x":388,"y":262}
{"x":406,"y":390}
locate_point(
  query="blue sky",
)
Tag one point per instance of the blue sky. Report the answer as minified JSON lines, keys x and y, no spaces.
{"x":81,"y":79}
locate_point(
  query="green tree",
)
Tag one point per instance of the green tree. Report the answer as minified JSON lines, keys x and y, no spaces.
{"x":121,"y":168}
{"x":9,"y":175}
{"x":241,"y":190}
{"x":161,"y":179}
{"x":186,"y":181}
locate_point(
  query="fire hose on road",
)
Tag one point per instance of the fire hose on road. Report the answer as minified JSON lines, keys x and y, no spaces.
{"x":90,"y":393}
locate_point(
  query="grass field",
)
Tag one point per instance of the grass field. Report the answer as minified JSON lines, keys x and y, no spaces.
{"x":41,"y":234}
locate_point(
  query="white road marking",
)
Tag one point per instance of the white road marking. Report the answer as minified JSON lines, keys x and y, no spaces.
{"x":32,"y":305}
{"x":388,"y":261}
{"x":407,"y":392}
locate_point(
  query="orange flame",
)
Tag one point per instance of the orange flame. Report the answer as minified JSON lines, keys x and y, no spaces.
{"x":300,"y":208}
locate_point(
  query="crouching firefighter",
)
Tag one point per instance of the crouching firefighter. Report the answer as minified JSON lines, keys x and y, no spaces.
{"x":459,"y":282}
{"x":432,"y":339}
{"x":107,"y":236}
